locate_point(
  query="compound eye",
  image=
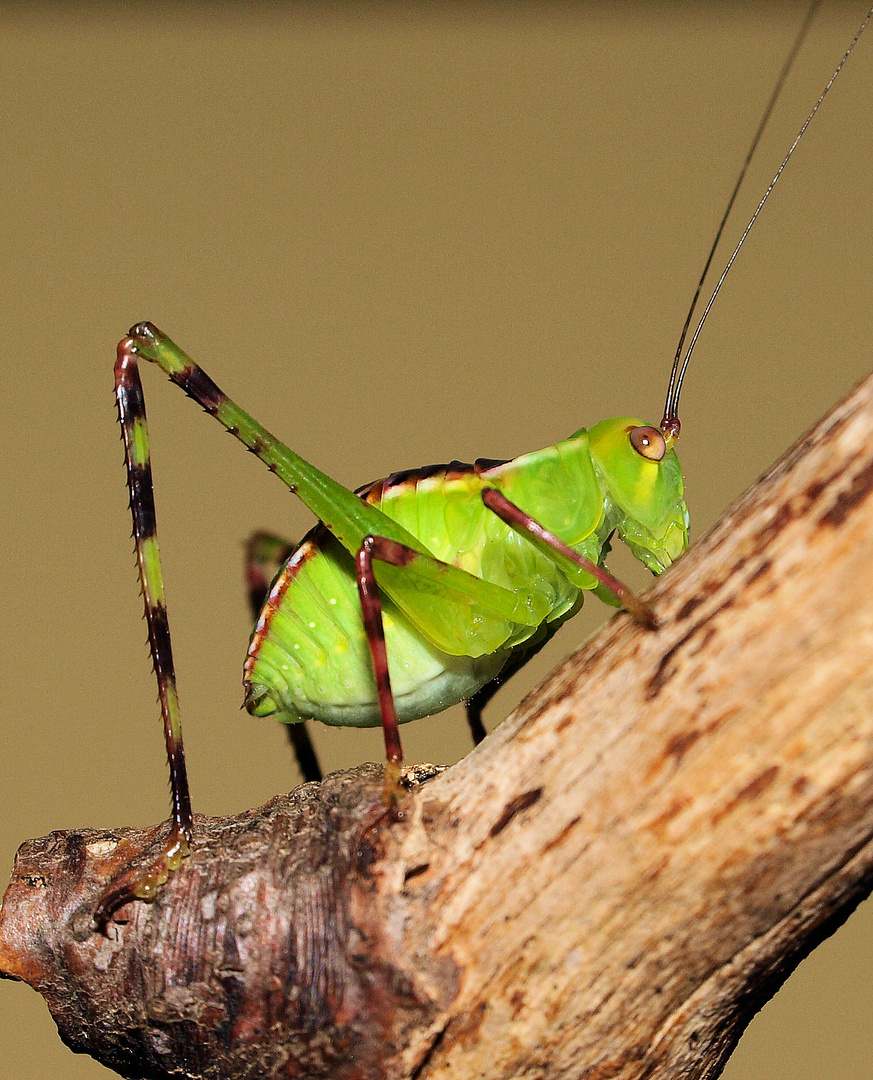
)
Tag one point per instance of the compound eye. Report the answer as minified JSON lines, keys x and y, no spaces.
{"x":648,"y":442}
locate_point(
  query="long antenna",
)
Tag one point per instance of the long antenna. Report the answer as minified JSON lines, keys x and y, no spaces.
{"x":771,"y":104}
{"x":670,"y":423}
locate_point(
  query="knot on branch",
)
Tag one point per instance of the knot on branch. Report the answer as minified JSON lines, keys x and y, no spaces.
{"x":266,"y":954}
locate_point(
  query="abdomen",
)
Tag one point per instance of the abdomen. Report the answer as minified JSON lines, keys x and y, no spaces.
{"x":308,"y":655}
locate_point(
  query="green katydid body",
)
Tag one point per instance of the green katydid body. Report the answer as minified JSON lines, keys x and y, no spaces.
{"x":309,"y":656}
{"x":412,"y":594}
{"x":463,"y":586}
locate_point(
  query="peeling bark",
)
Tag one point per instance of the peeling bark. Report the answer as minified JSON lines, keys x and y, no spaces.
{"x":609,"y":886}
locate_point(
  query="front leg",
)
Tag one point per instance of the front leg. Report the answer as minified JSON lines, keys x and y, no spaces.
{"x":518,"y":519}
{"x":515,"y":517}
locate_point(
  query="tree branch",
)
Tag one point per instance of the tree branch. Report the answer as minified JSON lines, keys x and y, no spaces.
{"x":609,"y":886}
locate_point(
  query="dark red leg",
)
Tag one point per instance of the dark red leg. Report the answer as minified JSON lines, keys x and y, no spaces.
{"x":516,"y":517}
{"x":377,"y":547}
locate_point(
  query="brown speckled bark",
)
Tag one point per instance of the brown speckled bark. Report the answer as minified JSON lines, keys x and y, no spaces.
{"x":609,"y":886}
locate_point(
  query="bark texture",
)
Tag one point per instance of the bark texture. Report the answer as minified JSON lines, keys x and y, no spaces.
{"x":609,"y":886}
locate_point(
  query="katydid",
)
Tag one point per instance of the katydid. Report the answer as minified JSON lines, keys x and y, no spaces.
{"x":421,"y":590}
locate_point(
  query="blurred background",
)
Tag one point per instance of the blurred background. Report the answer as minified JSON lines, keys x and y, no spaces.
{"x":398,"y":234}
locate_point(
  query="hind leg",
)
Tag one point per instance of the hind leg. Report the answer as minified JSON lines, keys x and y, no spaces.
{"x":141,"y":881}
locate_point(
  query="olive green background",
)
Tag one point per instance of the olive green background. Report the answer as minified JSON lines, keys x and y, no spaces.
{"x":397,"y":234}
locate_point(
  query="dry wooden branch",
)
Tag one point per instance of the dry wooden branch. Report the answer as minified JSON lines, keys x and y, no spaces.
{"x":609,"y":886}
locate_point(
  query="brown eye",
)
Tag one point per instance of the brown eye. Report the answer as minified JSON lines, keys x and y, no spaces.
{"x":648,"y":443}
